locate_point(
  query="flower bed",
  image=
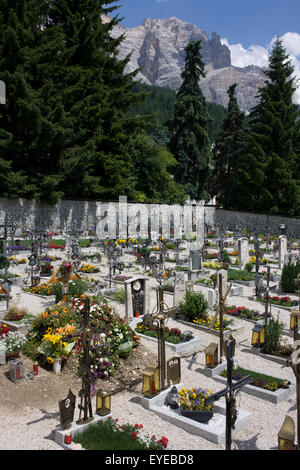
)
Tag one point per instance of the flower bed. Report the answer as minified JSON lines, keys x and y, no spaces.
{"x":263,"y":386}
{"x":244,"y":312}
{"x":108,"y":434}
{"x":216,"y":326}
{"x":89,"y":268}
{"x":121,"y":278}
{"x":285,"y":301}
{"x":172,"y":335}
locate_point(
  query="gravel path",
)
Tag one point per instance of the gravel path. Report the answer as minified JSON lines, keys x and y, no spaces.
{"x":28,"y":422}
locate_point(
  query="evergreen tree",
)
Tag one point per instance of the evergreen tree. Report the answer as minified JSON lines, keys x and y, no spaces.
{"x":189,"y":142}
{"x":95,"y":94}
{"x":28,"y":137}
{"x":268,"y":175}
{"x":227,"y":151}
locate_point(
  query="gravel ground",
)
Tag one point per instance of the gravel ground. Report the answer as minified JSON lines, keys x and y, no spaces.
{"x":29,"y":409}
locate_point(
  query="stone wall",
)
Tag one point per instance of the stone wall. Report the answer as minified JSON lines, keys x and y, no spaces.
{"x":99,"y":215}
{"x":263,"y":222}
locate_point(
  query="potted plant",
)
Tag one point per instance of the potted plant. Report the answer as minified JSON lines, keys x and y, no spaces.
{"x":12,"y":342}
{"x":192,"y":404}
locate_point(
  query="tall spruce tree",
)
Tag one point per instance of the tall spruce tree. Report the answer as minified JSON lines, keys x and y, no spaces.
{"x":189,"y":142}
{"x":95,"y":93}
{"x":227,"y":151}
{"x":29,"y":138}
{"x":268,"y":175}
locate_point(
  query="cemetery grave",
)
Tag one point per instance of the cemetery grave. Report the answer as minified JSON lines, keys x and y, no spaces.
{"x":141,"y":298}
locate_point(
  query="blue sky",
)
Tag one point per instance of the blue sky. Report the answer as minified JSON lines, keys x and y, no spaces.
{"x":248,"y":28}
{"x":246,"y":22}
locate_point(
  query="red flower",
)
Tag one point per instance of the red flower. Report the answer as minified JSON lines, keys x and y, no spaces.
{"x":134,"y":435}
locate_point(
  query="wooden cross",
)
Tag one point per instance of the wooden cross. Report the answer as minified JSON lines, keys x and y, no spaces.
{"x":220,"y":309}
{"x":229,"y":393}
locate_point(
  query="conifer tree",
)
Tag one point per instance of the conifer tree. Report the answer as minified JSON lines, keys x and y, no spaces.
{"x":268,"y":175}
{"x":189,"y":142}
{"x":28,"y":138}
{"x":95,"y":94}
{"x":227,"y":151}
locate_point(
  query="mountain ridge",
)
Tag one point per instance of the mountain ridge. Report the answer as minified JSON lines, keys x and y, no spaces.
{"x":156,"y":48}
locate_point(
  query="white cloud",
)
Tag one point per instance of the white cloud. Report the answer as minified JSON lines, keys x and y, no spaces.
{"x":259,"y":55}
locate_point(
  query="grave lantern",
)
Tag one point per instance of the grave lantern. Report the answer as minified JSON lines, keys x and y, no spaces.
{"x":6,"y":283}
{"x":211,"y":355}
{"x":151,"y":382}
{"x":258,"y":335}
{"x":103,"y":403}
{"x":16,"y":370}
{"x":295,"y":320}
{"x":286,"y":435}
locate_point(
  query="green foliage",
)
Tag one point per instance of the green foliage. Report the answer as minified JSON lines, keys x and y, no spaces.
{"x":267,"y":178}
{"x":193,"y":306}
{"x":289,"y":273}
{"x":189,"y":141}
{"x":273,"y":333}
{"x":227,"y":151}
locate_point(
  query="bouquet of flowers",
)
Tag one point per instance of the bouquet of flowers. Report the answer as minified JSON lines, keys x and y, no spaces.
{"x":193,"y":399}
{"x":13,"y":341}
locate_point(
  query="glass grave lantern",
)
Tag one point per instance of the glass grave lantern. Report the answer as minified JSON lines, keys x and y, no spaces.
{"x":258,"y":335}
{"x":211,"y":355}
{"x":151,"y":382}
{"x":103,"y":403}
{"x":286,"y":435}
{"x":16,"y":370}
{"x":295,"y":323}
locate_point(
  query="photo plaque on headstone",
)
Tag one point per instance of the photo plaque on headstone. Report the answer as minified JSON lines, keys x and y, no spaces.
{"x":173,"y":370}
{"x":66,"y":410}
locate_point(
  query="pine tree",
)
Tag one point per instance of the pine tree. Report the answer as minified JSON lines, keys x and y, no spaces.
{"x":28,"y":138}
{"x":95,"y":93}
{"x":227,"y":151}
{"x":267,"y":179}
{"x":189,"y":142}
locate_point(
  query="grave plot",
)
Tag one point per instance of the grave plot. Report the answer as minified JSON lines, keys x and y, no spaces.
{"x":194,"y":410}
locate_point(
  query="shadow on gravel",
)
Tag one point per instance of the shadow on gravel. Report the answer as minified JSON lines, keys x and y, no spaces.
{"x":250,"y":444}
{"x":47,"y":415}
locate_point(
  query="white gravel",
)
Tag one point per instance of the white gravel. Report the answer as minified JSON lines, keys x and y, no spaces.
{"x":32,"y":428}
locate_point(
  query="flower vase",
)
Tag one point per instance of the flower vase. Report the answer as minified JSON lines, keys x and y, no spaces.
{"x":57,"y":365}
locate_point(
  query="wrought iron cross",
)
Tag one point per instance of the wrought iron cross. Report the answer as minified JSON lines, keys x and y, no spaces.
{"x":220,"y":312}
{"x":230,"y":395}
{"x":85,"y":334}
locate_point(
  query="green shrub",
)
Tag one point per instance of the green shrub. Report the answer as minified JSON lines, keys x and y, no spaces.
{"x":290,"y":272}
{"x":193,"y":306}
{"x":273,"y":333}
{"x":249,"y":267}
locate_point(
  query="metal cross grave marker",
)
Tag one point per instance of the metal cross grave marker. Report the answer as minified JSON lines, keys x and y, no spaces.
{"x":229,"y":393}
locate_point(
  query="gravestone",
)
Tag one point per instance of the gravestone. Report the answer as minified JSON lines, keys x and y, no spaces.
{"x":195,"y":265}
{"x":179,"y":288}
{"x":66,"y":410}
{"x":282,"y":242}
{"x":136,"y":297}
{"x":173,"y":370}
{"x":212,"y":298}
{"x":243,"y":249}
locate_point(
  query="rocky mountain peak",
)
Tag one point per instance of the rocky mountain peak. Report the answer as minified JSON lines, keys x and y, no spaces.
{"x":157,"y":49}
